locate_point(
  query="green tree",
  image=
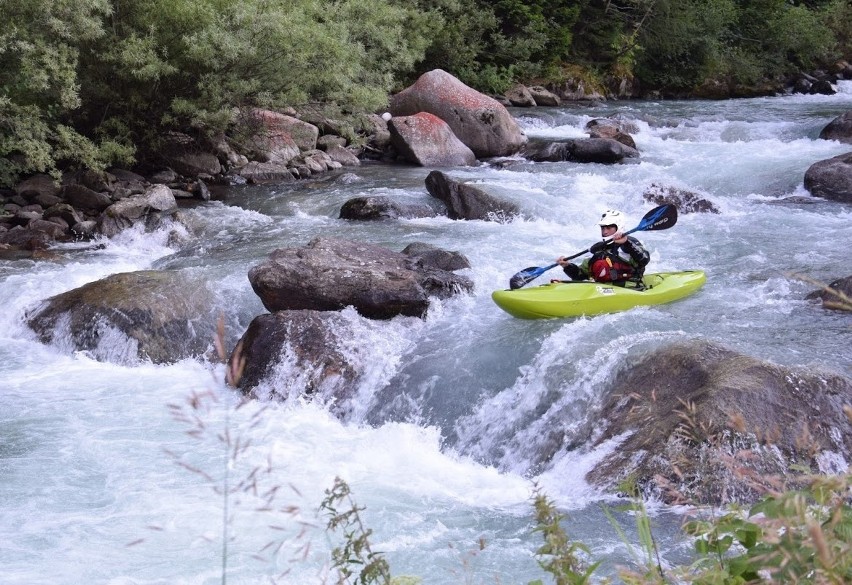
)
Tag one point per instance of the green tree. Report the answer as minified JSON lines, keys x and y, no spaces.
{"x":190,"y":62}
{"x":40,"y":47}
{"x":683,"y":42}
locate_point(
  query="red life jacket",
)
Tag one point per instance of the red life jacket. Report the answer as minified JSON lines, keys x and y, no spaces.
{"x":610,"y":268}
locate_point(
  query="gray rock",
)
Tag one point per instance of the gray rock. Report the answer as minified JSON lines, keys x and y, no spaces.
{"x":839,"y":129}
{"x":582,"y":150}
{"x":519,"y":96}
{"x":699,"y":421}
{"x":290,"y":354}
{"x":468,"y":202}
{"x":149,"y":315}
{"x":543,"y":96}
{"x":685,"y":201}
{"x":382,"y":207}
{"x":329,"y":274}
{"x":831,"y":300}
{"x":831,"y":178}
{"x":85,"y":199}
{"x":434,"y":257}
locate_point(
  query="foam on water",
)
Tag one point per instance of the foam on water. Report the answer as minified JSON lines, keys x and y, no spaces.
{"x":454,"y":415}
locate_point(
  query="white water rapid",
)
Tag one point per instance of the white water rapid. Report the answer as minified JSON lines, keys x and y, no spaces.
{"x":440,"y":449}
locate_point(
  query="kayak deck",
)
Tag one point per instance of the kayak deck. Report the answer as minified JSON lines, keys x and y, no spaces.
{"x":573,"y":299}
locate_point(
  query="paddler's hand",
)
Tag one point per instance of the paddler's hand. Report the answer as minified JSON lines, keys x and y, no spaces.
{"x":562,"y":261}
{"x":619,"y":238}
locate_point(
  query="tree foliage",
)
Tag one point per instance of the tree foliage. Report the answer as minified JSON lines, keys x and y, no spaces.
{"x":97,"y":82}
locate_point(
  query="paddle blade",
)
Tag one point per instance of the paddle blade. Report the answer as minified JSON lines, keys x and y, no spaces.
{"x":527,"y":275}
{"x":659,"y":218}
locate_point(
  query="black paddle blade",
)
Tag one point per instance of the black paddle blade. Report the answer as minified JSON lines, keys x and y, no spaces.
{"x":527,"y":275}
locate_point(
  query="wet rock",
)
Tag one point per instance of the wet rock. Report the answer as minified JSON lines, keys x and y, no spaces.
{"x":581,"y":150}
{"x":699,"y":422}
{"x":830,"y":298}
{"x":468,"y":202}
{"x":329,"y":274}
{"x":21,"y":238}
{"x":382,"y":207}
{"x":607,"y":128}
{"x":291,"y":354}
{"x":125,"y":213}
{"x":259,"y":172}
{"x":839,"y":129}
{"x":831,"y":178}
{"x":434,"y":257}
{"x":149,"y":315}
{"x":685,"y":201}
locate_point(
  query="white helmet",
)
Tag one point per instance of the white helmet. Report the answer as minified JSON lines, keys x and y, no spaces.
{"x":613,"y":217}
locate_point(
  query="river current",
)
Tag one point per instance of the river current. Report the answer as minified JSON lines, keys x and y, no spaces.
{"x":443,"y":441}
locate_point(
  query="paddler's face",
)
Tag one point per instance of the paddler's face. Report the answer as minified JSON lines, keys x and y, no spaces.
{"x":608,"y":230}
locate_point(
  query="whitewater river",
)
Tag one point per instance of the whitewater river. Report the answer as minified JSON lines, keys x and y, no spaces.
{"x":442,"y":446}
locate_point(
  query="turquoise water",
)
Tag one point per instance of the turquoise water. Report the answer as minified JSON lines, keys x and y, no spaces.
{"x":454,"y":414}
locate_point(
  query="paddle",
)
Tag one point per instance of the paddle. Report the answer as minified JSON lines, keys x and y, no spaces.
{"x":659,"y":218}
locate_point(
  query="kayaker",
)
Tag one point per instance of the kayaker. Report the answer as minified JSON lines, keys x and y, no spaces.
{"x":621,"y":260}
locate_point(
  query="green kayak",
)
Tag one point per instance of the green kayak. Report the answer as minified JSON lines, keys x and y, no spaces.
{"x":572,"y":299}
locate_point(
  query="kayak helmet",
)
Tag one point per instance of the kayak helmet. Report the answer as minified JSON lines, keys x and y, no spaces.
{"x":613,"y":217}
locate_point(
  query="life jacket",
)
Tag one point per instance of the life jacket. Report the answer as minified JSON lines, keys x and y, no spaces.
{"x":610,"y":268}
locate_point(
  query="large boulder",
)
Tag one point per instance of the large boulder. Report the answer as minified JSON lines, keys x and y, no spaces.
{"x":468,"y":202}
{"x":329,"y":274}
{"x":480,"y":122}
{"x":161,"y":316}
{"x":831,"y":178}
{"x":290,"y":354}
{"x":122,"y":214}
{"x":581,"y":150}
{"x":272,"y":141}
{"x":839,"y":129}
{"x":700,"y":421}
{"x":428,"y":141}
{"x":265,"y":172}
{"x":37,"y":186}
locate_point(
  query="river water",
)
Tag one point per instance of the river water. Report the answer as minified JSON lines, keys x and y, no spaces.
{"x":453,"y":412}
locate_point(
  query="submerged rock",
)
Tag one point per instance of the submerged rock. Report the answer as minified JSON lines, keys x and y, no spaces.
{"x":685,"y":201}
{"x":290,"y":354}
